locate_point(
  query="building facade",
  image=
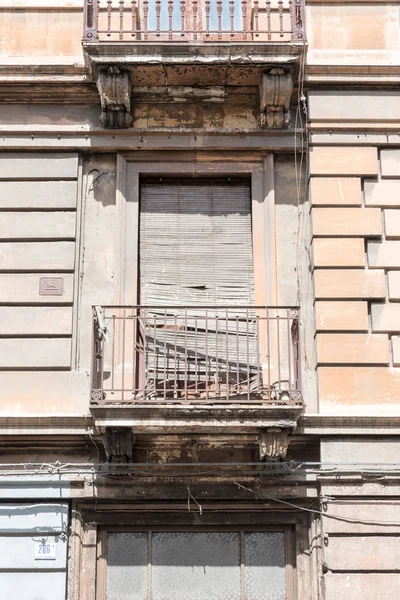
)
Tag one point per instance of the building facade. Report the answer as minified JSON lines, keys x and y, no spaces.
{"x":200,"y":299}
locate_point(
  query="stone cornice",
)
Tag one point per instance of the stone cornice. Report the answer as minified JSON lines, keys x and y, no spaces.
{"x":84,"y":425}
{"x":23,"y":83}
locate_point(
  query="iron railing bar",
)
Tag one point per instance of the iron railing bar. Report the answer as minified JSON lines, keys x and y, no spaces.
{"x":206,"y":353}
{"x":227,"y":354}
{"x":268,"y":351}
{"x":247,"y":354}
{"x":278,"y":350}
{"x":197,"y":306}
{"x":165,"y":355}
{"x":123,"y":355}
{"x":144,"y":319}
{"x":176,"y":358}
{"x":113,"y":355}
{"x":289,"y":351}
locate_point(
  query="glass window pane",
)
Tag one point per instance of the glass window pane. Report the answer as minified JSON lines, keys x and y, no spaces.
{"x":126,"y":566}
{"x":265,"y":565}
{"x":196,"y":566}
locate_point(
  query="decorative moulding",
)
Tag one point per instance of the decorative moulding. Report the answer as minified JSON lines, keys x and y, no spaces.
{"x":276,"y":89}
{"x":115,"y":88}
{"x":273,"y":443}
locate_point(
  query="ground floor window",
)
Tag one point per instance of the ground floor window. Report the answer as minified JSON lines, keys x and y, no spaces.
{"x":197,"y":565}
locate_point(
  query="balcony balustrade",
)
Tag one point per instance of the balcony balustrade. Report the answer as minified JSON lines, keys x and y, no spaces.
{"x":196,"y":355}
{"x":196,"y":21}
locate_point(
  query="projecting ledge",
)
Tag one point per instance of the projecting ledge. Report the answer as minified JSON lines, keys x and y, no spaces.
{"x":125,"y":54}
{"x":229,"y":418}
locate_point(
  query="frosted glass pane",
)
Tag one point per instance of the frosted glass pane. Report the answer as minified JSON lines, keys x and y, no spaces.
{"x":196,"y":566}
{"x":265,"y":565}
{"x":126,"y":566}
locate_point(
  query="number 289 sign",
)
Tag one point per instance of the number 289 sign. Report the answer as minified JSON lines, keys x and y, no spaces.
{"x":44,"y":551}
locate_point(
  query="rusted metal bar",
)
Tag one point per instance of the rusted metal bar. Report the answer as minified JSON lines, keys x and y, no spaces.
{"x":134,"y":17}
{"x":219,"y":13}
{"x":109,"y":16}
{"x":158,"y":17}
{"x":183,"y":8}
{"x":232,"y":16}
{"x":280,"y":11}
{"x":170,"y":13}
{"x":90,"y":23}
{"x":298,"y":19}
{"x":121,"y":19}
{"x":244,"y":19}
{"x":195,"y":8}
{"x":268,"y":9}
{"x":256,"y":10}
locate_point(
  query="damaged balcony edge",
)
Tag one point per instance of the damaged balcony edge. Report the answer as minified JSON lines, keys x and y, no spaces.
{"x":126,"y":55}
{"x":196,"y":418}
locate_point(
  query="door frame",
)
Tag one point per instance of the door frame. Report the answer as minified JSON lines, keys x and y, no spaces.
{"x":289,"y":543}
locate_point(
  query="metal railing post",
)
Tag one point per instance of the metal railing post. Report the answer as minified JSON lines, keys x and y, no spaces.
{"x":298,"y":20}
{"x":91,"y":16}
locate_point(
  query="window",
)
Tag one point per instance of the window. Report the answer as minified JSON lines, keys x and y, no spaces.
{"x":197,"y":565}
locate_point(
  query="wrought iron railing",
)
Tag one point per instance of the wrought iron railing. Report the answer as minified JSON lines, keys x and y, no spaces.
{"x":196,"y":354}
{"x":194,"y":20}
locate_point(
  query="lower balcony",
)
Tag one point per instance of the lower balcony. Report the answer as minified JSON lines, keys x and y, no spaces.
{"x":147,"y":355}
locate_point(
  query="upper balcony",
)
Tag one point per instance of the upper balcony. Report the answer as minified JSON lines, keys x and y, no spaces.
{"x":133,"y":32}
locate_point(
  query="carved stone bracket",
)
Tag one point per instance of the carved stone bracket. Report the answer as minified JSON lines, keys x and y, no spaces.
{"x":118,"y":443}
{"x":276,"y":89}
{"x":115,"y":87}
{"x":273,"y":443}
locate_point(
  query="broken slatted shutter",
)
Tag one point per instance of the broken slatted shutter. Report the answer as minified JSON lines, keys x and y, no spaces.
{"x":196,"y":250}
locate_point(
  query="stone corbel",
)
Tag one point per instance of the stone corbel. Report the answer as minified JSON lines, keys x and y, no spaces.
{"x":118,"y":443}
{"x":273,"y":443}
{"x":276,"y":89}
{"x":115,"y":88}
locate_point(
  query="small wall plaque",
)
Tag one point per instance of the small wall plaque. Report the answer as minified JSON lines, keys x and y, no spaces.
{"x":51,"y":286}
{"x":44,"y":551}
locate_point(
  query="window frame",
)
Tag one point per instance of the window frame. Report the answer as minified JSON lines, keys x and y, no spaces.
{"x":289,"y":542}
{"x":131,"y":169}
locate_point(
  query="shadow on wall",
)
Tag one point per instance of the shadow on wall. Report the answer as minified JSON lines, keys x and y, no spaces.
{"x":100,"y":179}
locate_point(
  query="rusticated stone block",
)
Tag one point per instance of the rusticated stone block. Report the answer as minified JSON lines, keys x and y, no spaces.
{"x":382,"y":193}
{"x":335,"y":190}
{"x":385,"y":317}
{"x":394,"y":285}
{"x":384,"y":255}
{"x":352,"y":348}
{"x":349,"y":283}
{"x":392,"y":223}
{"x":338,"y":252}
{"x":341,"y":316}
{"x":348,"y":160}
{"x":390,"y":163}
{"x":347,"y":221}
{"x":341,"y":387}
{"x":396,"y":350}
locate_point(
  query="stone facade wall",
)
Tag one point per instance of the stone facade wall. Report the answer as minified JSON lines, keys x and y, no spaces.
{"x":354,"y":256}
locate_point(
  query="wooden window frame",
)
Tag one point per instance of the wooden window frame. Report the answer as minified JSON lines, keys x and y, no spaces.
{"x":289,"y":542}
{"x":131,"y":168}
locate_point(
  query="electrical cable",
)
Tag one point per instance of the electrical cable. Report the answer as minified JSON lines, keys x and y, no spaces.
{"x":320,"y":512}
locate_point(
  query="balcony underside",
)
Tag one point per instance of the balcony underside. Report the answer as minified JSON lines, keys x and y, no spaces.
{"x":131,"y":54}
